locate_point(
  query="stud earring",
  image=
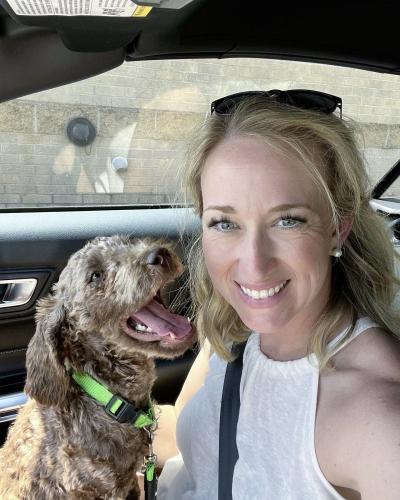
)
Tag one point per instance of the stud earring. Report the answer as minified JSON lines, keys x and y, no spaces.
{"x":337,"y":253}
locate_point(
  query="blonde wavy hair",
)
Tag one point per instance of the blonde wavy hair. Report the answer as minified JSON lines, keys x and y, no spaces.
{"x":363,"y":279}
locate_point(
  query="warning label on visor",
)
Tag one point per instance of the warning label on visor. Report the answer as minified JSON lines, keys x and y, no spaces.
{"x":111,"y":8}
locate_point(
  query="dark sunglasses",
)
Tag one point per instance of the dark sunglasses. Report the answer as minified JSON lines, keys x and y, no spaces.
{"x":304,"y":99}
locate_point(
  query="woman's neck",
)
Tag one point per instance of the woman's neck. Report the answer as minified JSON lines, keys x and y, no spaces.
{"x":291,"y":343}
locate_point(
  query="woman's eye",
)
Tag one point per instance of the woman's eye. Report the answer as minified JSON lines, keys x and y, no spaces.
{"x":223,"y":225}
{"x":290,"y":222}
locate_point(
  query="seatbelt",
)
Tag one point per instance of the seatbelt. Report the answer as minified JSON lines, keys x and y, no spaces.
{"x":230,"y":406}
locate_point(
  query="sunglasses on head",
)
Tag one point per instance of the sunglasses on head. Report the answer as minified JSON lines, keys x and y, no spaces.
{"x":304,"y":99}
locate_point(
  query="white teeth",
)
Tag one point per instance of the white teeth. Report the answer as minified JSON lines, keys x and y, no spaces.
{"x":172,"y":335}
{"x":143,"y":328}
{"x":261,"y":294}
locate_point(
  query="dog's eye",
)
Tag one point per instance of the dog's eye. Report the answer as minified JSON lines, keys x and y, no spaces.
{"x":96,"y":276}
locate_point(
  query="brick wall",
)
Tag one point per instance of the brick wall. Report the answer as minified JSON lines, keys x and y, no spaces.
{"x":146,"y":111}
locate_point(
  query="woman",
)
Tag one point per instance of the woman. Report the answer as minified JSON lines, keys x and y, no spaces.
{"x":292,"y":259}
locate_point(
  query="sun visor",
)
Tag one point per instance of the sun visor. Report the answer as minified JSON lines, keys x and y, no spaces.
{"x":89,"y":26}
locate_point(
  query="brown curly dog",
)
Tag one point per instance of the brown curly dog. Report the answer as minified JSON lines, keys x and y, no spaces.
{"x":105,"y":318}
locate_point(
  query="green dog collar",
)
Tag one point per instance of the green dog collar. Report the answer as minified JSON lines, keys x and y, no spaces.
{"x":116,"y":406}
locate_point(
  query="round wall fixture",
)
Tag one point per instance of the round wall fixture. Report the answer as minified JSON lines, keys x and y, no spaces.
{"x":119,"y":163}
{"x":81,"y":131}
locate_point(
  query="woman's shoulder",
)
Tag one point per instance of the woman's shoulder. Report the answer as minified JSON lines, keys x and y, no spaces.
{"x":372,"y":363}
{"x":361,"y":405}
{"x":367,"y":372}
{"x":374,"y":354}
{"x":375,"y":414}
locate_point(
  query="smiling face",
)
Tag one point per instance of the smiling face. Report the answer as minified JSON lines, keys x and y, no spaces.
{"x":267,"y":238}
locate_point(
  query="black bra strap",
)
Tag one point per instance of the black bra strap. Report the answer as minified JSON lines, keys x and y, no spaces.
{"x":230,"y":405}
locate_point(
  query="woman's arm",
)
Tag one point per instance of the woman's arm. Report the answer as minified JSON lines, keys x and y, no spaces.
{"x":165,"y":438}
{"x":376,"y":442}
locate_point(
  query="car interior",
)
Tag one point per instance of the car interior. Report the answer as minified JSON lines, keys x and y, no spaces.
{"x":192,"y":51}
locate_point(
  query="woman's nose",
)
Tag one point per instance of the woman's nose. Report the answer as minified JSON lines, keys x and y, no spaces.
{"x":258,"y":254}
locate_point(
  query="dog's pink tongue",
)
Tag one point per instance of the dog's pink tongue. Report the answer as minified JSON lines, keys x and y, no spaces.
{"x":162,"y":321}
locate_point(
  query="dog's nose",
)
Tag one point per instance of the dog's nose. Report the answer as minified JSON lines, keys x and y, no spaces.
{"x":158,"y":257}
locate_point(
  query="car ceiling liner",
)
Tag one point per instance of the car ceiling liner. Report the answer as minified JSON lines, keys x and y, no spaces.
{"x":46,"y":43}
{"x":354,"y":33}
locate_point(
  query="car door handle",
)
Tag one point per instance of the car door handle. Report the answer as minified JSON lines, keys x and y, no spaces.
{"x":16,"y":292}
{"x":10,"y":404}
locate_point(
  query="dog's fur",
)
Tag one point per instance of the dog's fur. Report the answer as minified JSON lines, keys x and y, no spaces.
{"x":63,"y":445}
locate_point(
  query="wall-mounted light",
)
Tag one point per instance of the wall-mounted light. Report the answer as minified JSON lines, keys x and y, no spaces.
{"x":119,"y":164}
{"x":81,"y":131}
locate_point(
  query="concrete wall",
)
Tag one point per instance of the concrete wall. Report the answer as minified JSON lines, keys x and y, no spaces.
{"x":146,"y":112}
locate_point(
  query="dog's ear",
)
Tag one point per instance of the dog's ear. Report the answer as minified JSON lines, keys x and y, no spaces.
{"x":47,"y":379}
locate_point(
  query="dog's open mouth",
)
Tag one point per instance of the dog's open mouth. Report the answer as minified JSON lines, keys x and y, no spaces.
{"x":155,"y":322}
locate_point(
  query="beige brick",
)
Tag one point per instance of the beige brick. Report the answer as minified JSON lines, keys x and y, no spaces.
{"x":205,"y":66}
{"x":124,"y":102}
{"x":373,"y":135}
{"x":167,"y":125}
{"x":10,"y":159}
{"x":132,"y":173}
{"x":134,"y":187}
{"x":137,"y":199}
{"x":55,"y":189}
{"x":106,"y":90}
{"x":48,"y":149}
{"x":123,"y":199}
{"x":379,"y":161}
{"x":20,"y":170}
{"x":37,"y":198}
{"x":16,"y":148}
{"x":16,"y":116}
{"x":10,"y":198}
{"x":115,"y":120}
{"x":9,"y":137}
{"x":32,"y":139}
{"x":391,"y":104}
{"x":37,"y":160}
{"x":142,"y":94}
{"x":19,"y":188}
{"x":394,"y":137}
{"x":67,"y":199}
{"x":151,"y":198}
{"x":135,"y":154}
{"x":133,"y":182}
{"x":96,"y":199}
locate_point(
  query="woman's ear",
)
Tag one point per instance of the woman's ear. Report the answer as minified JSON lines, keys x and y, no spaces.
{"x":47,"y":379}
{"x":345,"y":225}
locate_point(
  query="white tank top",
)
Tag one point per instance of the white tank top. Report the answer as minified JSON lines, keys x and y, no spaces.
{"x":275,"y":433}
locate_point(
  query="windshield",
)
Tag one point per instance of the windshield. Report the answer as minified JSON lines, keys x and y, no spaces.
{"x":116,"y":139}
